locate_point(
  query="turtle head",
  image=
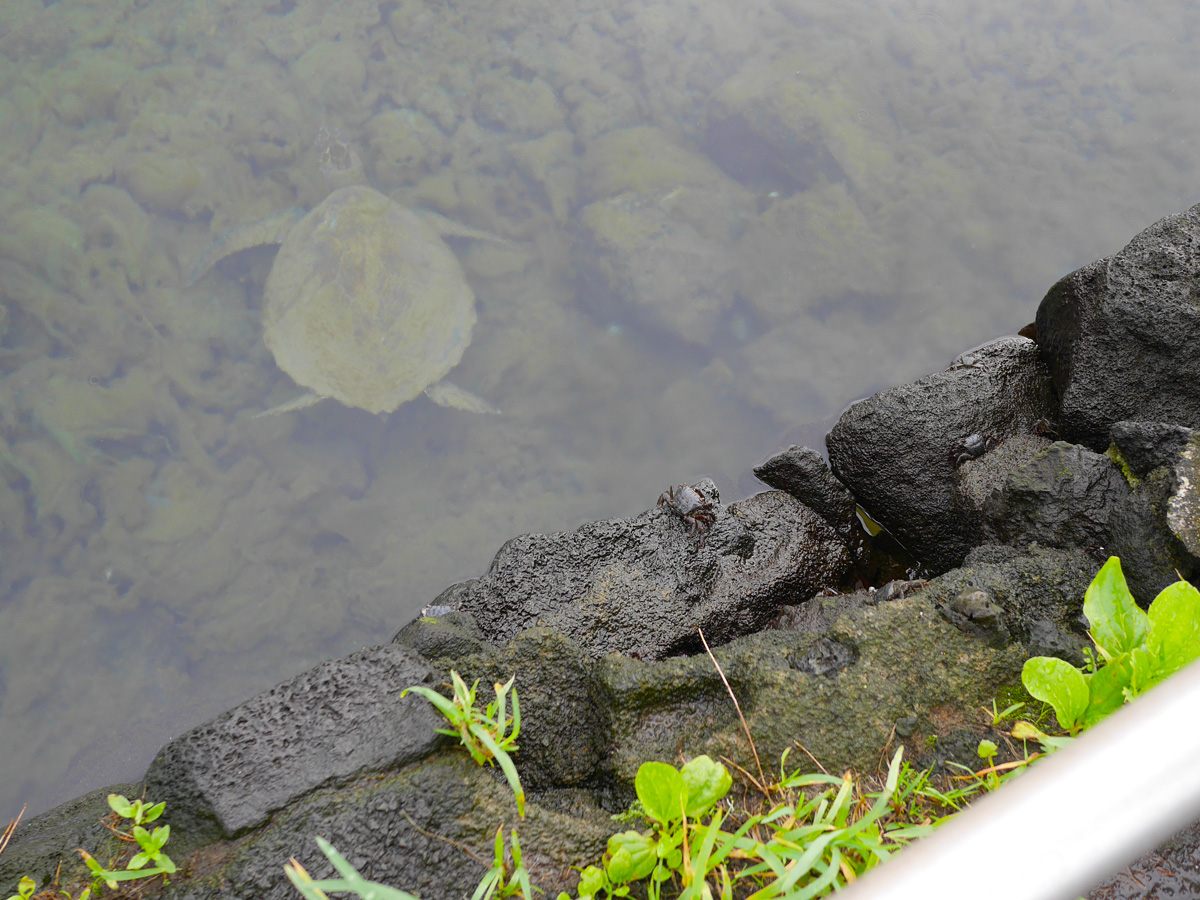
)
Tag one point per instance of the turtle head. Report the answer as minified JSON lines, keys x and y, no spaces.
{"x":337,"y":160}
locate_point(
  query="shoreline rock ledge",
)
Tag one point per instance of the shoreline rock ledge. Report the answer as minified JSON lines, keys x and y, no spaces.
{"x":1008,"y":477}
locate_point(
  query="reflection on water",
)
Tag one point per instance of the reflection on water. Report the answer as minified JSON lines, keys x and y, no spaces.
{"x":723,"y":221}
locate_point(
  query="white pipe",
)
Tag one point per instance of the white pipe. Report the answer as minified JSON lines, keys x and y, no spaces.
{"x":1071,"y":820}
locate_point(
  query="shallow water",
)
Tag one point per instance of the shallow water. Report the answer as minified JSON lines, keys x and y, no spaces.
{"x":726,"y":221}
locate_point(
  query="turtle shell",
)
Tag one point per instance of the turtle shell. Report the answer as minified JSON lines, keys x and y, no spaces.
{"x":366,"y":303}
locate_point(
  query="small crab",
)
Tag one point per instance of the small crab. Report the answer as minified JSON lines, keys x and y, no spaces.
{"x":973,"y":446}
{"x":691,"y":505}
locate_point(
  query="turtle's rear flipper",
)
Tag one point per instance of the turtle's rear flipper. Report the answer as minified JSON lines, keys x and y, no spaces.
{"x":302,"y":402}
{"x":444,"y":393}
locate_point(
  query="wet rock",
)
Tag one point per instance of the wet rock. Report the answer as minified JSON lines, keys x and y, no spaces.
{"x":43,"y":843}
{"x":1066,"y":496}
{"x":565,"y":714}
{"x":441,"y":631}
{"x":333,"y":722}
{"x":780,"y":276}
{"x":975,"y":612}
{"x":803,"y":473}
{"x":766,"y":130}
{"x":861,"y":669}
{"x":1147,"y":445}
{"x":1033,"y":595}
{"x":1119,"y":335}
{"x":407,"y":828}
{"x":656,"y":233}
{"x":826,"y":657}
{"x":897,"y":450}
{"x":1183,"y":513}
{"x":642,"y":585}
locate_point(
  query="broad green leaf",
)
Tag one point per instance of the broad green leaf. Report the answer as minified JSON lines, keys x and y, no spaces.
{"x":707,"y":782}
{"x":161,"y":835}
{"x":154,"y":812}
{"x":1144,"y":666}
{"x":662,"y":791}
{"x":1106,"y":691}
{"x":1117,"y":623}
{"x":631,"y":857}
{"x":120,"y":805}
{"x":1058,"y":683}
{"x":591,"y":880}
{"x":139,"y":861}
{"x":1174,"y":635}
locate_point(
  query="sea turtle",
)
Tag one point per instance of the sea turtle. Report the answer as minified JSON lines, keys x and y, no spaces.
{"x":365,"y":303}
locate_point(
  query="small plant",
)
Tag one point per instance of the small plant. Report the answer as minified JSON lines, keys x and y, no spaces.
{"x":1135,"y":650}
{"x":150,"y":842}
{"x":498,"y":882}
{"x":483,"y":734}
{"x":25,"y":888}
{"x":812,"y":844}
{"x":350,"y":881}
{"x":999,"y":718}
{"x":670,"y":798}
{"x":137,"y":810}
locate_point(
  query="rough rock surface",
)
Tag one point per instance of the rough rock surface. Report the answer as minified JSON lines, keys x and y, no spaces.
{"x":1150,"y":525}
{"x":1148,"y":445}
{"x":1066,"y":496}
{"x":803,"y":473}
{"x":1037,"y":590}
{"x":837,"y":687}
{"x":406,"y":828}
{"x":1119,"y":335}
{"x":897,"y":451}
{"x":565,"y":713}
{"x":40,"y":843}
{"x":1183,"y":513}
{"x":641,"y":586}
{"x":333,"y":722}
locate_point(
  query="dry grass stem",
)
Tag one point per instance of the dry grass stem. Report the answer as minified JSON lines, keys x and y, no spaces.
{"x":12,"y":826}
{"x":738,"y":707}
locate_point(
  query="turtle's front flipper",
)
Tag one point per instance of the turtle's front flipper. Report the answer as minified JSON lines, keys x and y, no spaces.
{"x":302,"y":402}
{"x":449,"y":228}
{"x":444,"y":393}
{"x":271,"y":230}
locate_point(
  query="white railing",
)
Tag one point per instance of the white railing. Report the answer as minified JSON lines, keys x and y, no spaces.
{"x":1071,"y":820}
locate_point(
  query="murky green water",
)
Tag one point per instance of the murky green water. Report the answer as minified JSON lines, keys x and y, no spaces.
{"x":726,"y":220}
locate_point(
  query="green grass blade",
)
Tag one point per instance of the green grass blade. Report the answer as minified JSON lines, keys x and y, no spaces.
{"x":506,"y":764}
